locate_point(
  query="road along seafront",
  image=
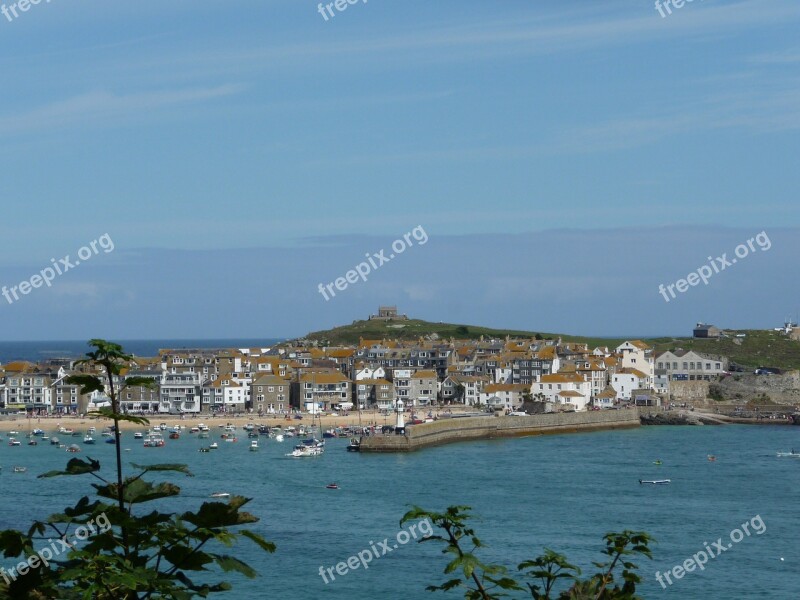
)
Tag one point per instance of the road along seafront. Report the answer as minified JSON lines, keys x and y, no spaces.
{"x":447,"y":431}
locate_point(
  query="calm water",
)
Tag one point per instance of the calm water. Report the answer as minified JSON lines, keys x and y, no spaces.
{"x":563,"y":492}
{"x":36,"y":351}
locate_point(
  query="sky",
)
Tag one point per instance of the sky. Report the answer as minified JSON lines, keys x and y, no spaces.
{"x":564,"y":159}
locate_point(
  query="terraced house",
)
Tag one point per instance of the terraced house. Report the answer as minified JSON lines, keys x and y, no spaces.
{"x":270,"y":394}
{"x":683,"y":365}
{"x":567,"y":391}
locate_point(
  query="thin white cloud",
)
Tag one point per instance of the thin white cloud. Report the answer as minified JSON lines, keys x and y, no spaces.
{"x":100,"y":106}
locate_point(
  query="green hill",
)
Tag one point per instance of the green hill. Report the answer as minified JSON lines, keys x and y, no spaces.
{"x":758,"y":348}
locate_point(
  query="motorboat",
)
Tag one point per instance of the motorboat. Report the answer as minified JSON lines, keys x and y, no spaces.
{"x":204,"y":449}
{"x":312,"y":447}
{"x":38,"y":432}
{"x":20,"y":469}
{"x":73,"y":448}
{"x":54,"y":441}
{"x":332,"y":486}
{"x":14,"y":442}
{"x":88,"y":439}
{"x":712,"y":458}
{"x":174,"y":435}
{"x":657,"y":462}
{"x":213,"y":446}
{"x":138,"y":435}
{"x":154,"y":440}
{"x":254,"y":446}
{"x":655,"y":481}
{"x":13,"y":433}
{"x":220,"y":495}
{"x":354,"y":445}
{"x":32,"y":442}
{"x":792,"y":454}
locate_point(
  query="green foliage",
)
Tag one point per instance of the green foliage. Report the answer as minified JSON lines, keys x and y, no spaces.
{"x":129,"y":555}
{"x":542,"y":575}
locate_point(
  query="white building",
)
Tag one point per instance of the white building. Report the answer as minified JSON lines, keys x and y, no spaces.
{"x":566,"y":390}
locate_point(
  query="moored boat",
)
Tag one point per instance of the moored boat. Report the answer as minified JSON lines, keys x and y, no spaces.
{"x":154,"y":440}
{"x":14,"y":442}
{"x":655,"y":481}
{"x":88,"y":439}
{"x":73,"y":448}
{"x":254,"y":446}
{"x":354,"y":445}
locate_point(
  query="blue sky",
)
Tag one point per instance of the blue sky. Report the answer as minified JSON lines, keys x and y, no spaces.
{"x":251,"y":150}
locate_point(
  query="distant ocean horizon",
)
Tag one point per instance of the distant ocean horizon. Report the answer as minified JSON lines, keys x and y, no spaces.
{"x":44,"y":350}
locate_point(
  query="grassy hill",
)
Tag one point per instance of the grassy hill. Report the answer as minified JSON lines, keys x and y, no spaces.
{"x":758,"y":348}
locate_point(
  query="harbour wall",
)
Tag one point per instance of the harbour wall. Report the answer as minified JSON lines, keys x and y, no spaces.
{"x":446,"y":431}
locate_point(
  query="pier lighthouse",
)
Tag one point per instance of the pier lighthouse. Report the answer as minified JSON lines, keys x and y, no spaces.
{"x":399,"y":425}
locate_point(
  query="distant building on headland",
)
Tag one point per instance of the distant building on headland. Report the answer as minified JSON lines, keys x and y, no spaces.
{"x":702,"y":330}
{"x":388,"y":313}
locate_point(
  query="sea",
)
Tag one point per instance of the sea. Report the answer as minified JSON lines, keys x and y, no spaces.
{"x":46,"y":350}
{"x":562,"y":492}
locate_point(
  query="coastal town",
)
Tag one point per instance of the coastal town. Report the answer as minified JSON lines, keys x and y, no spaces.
{"x":508,"y":375}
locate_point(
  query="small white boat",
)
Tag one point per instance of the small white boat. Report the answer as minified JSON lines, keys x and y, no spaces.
{"x":138,"y":435}
{"x":655,"y":481}
{"x":220,"y":495}
{"x":254,"y":446}
{"x":791,"y":454}
{"x":20,"y":469}
{"x":302,"y":450}
{"x":14,"y":442}
{"x":213,"y":446}
{"x":279,"y":437}
{"x":88,"y":439}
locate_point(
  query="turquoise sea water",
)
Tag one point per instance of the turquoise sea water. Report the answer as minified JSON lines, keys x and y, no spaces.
{"x":562,"y":492}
